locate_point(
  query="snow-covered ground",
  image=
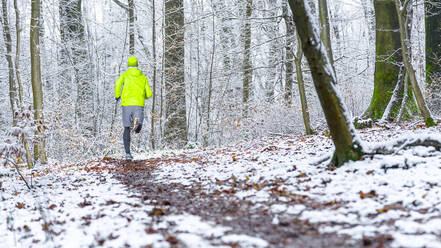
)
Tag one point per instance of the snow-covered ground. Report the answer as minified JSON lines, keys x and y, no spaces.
{"x":396,"y":197}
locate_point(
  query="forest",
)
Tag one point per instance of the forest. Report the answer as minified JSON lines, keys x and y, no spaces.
{"x":260,"y":123}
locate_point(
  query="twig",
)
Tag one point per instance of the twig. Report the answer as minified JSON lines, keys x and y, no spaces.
{"x":18,"y":171}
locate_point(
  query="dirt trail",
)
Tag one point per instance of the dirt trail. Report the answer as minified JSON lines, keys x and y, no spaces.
{"x":224,"y":208}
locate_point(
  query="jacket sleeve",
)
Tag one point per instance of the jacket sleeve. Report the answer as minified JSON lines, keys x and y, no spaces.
{"x":148,"y":91}
{"x":118,"y":85}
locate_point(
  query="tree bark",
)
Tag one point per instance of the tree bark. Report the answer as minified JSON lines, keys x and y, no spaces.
{"x":404,"y":38}
{"x":247,"y":77}
{"x":347,"y":144}
{"x":388,"y":61}
{"x":37,"y":89}
{"x":8,"y":55}
{"x":176,"y":114}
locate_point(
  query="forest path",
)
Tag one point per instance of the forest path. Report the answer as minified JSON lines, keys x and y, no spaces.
{"x":262,"y":193}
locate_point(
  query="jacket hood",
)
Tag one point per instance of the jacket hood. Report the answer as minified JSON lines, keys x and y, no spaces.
{"x":134,"y":72}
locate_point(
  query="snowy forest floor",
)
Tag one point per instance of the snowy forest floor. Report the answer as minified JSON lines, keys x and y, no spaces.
{"x":262,"y":193}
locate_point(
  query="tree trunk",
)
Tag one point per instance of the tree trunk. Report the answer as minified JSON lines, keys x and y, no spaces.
{"x":75,"y":51}
{"x":210,"y":82}
{"x":388,"y":61}
{"x":301,"y":84}
{"x":347,"y":144}
{"x":275,"y":56}
{"x":37,"y":89}
{"x":176,"y":125}
{"x":325,"y":34}
{"x":8,"y":55}
{"x":433,"y":48}
{"x":131,"y":4}
{"x":24,"y":140}
{"x":154,"y":116}
{"x":404,"y":38}
{"x":247,"y":77}
{"x":289,"y":50}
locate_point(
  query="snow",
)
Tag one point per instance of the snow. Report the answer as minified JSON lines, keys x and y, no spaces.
{"x":398,"y":195}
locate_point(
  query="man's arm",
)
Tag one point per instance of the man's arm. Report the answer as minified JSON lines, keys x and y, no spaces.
{"x":118,"y":85}
{"x":148,"y":91}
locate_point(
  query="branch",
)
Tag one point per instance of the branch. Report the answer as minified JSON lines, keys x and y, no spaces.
{"x":406,"y":142}
{"x":122,"y":5}
{"x":18,"y":171}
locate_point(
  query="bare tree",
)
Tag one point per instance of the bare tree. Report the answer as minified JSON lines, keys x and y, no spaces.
{"x":347,"y":144}
{"x":247,"y":77}
{"x":37,"y":89}
{"x":8,"y":55}
{"x":401,"y":8}
{"x":176,"y":124}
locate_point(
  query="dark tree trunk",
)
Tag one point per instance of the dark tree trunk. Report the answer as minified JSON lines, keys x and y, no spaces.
{"x":74,"y":55}
{"x":131,"y":4}
{"x":433,"y":49}
{"x":289,"y":50}
{"x":388,"y":61}
{"x":8,"y":55}
{"x":176,"y":124}
{"x":247,"y":77}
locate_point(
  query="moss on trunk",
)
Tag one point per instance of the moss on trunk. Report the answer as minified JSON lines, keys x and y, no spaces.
{"x":387,"y":63}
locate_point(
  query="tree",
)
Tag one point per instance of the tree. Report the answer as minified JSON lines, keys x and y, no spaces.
{"x":301,"y":84}
{"x":289,"y":51}
{"x":347,"y":144}
{"x":154,"y":118}
{"x":8,"y":55}
{"x":247,"y":77}
{"x":74,"y":54}
{"x":388,"y":63}
{"x":433,"y":47}
{"x":401,"y":9}
{"x":176,"y":124}
{"x":131,"y":11}
{"x":37,"y":89}
{"x":325,"y":34}
{"x":291,"y":33}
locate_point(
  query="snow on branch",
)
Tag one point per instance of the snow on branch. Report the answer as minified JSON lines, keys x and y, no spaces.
{"x":404,"y":142}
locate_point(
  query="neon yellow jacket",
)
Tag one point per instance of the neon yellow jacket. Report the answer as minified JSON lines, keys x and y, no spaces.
{"x":135,"y":88}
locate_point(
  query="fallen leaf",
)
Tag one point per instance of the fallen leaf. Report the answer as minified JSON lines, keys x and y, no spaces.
{"x":172,"y":240}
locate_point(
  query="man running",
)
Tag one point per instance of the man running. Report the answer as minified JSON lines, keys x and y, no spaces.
{"x":133,"y":88}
